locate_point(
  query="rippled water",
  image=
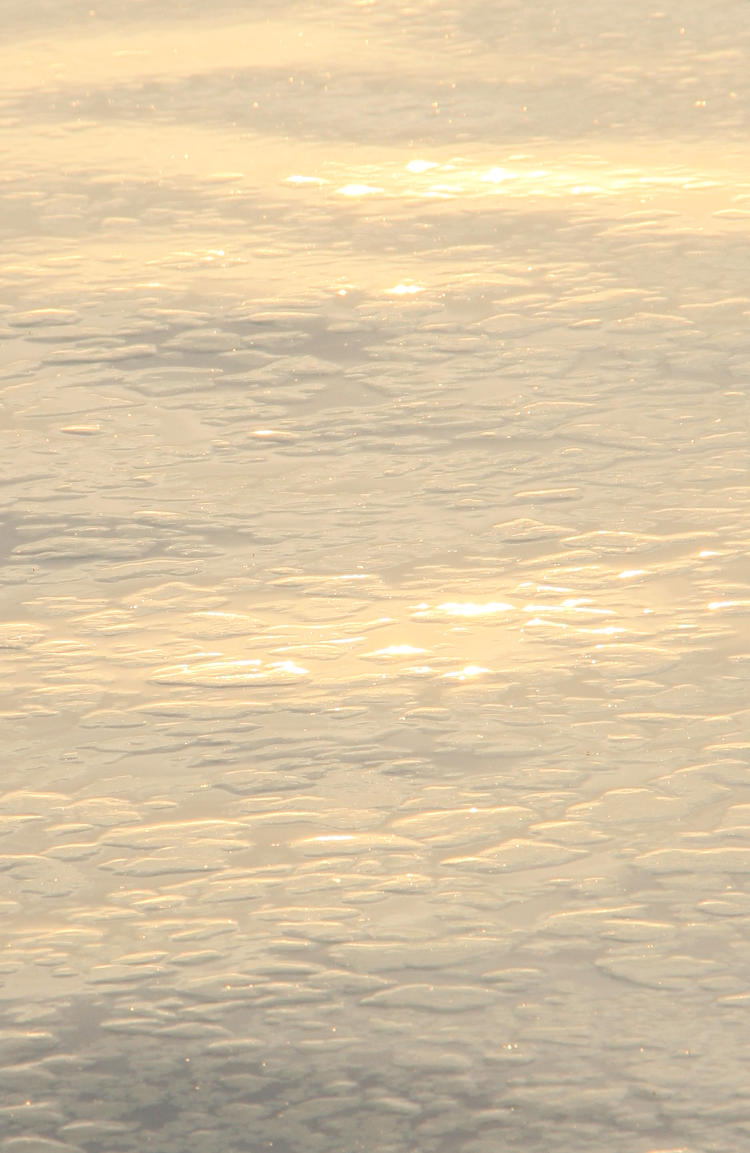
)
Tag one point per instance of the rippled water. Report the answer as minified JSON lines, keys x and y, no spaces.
{"x":375,"y":585}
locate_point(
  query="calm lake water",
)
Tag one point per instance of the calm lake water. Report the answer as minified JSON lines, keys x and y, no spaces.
{"x":375,"y":616}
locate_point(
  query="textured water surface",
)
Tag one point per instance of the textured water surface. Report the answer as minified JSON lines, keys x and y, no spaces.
{"x":375,"y":627}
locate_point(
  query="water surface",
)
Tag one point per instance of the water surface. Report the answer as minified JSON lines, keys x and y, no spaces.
{"x":374,"y":641}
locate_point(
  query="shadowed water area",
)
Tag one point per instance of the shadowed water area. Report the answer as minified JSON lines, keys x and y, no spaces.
{"x":374,"y":580}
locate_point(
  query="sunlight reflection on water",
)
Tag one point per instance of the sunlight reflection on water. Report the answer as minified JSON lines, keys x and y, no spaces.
{"x":374,"y":643}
